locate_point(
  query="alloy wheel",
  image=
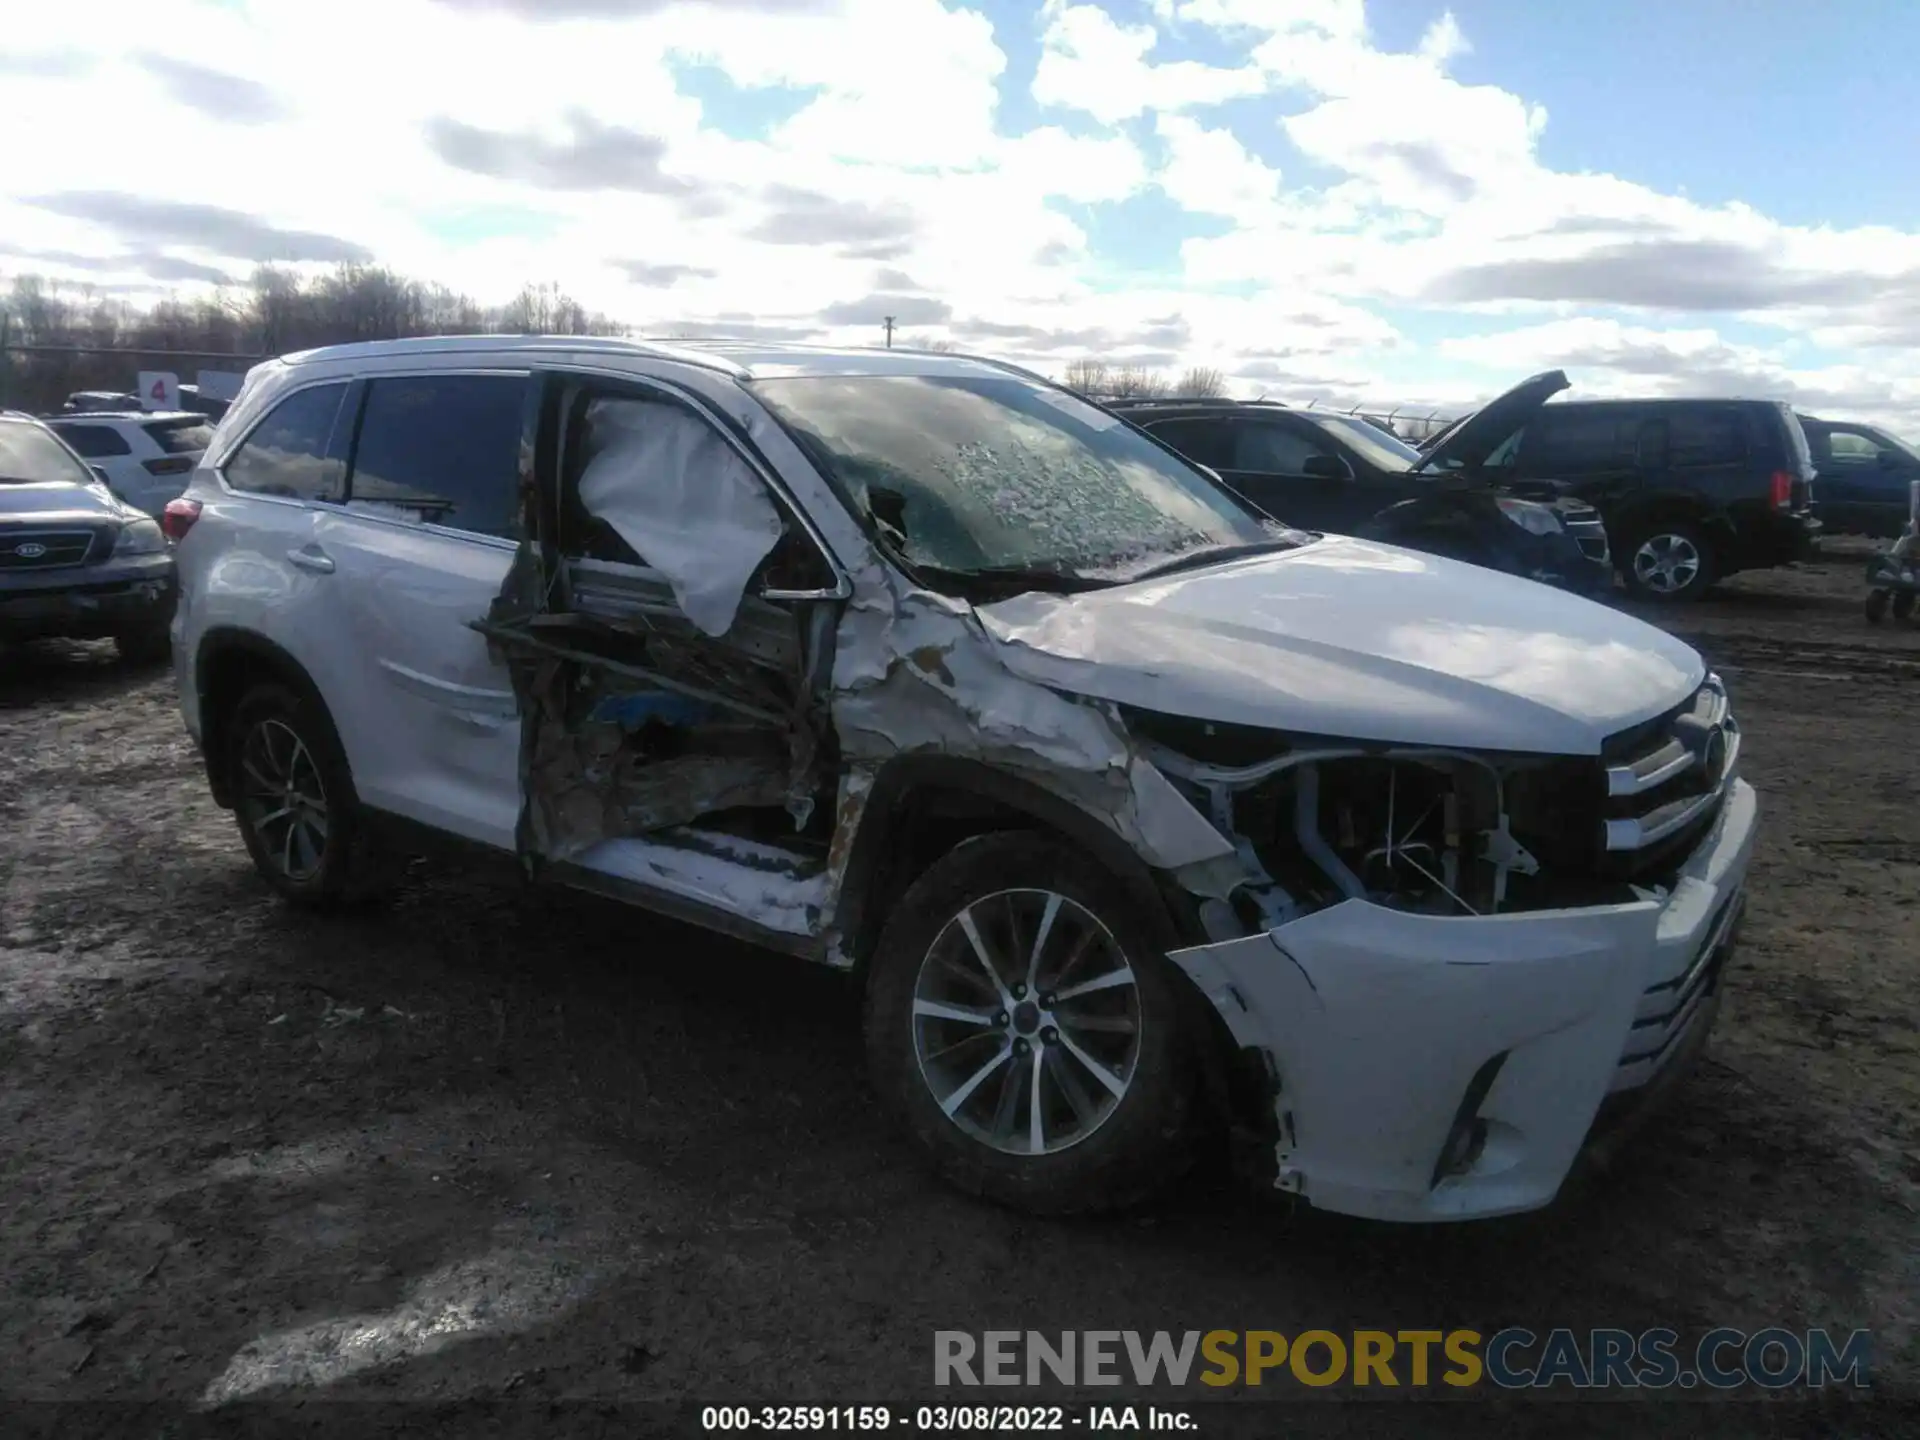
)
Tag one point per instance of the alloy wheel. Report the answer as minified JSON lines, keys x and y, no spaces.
{"x":1666,"y":564}
{"x":1027,"y":1022}
{"x":283,"y":799}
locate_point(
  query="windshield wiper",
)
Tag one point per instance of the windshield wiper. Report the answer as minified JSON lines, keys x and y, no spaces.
{"x":1013,"y":579}
{"x":1219,"y":555}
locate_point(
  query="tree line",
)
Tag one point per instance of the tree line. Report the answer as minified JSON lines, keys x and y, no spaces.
{"x":58,"y":337}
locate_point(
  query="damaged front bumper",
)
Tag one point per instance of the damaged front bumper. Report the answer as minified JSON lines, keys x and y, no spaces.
{"x":1445,"y":1068}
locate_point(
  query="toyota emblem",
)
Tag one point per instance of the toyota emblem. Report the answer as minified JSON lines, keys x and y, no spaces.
{"x":30,"y":550}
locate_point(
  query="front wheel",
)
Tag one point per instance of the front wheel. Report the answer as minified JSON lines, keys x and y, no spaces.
{"x":1022,"y":1028}
{"x":1673,"y":561}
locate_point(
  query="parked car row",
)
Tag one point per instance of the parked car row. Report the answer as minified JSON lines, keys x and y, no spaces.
{"x":75,"y":559}
{"x":1674,"y":494}
{"x":1139,"y":817}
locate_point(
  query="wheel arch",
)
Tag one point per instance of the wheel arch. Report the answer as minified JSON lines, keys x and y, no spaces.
{"x":228,"y":663}
{"x":1629,"y":522}
{"x":922,"y":806}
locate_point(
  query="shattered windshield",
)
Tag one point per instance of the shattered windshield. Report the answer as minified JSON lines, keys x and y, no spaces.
{"x":983,"y":476}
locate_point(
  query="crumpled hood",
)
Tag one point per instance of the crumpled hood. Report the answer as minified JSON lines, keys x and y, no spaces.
{"x":1349,"y":639}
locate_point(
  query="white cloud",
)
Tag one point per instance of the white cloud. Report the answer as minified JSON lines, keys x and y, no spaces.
{"x":493,"y":142}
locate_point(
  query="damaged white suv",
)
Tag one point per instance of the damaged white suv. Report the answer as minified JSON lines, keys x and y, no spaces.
{"x":1141,"y":819}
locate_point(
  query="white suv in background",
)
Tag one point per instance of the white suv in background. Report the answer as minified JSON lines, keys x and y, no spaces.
{"x":144,"y":456}
{"x":1138,"y":817}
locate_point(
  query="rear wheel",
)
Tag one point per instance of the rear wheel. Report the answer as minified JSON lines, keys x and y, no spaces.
{"x":1876,"y":606}
{"x":1025,"y":1032}
{"x":1903,"y":605}
{"x":294,"y":799}
{"x":1671,"y":561}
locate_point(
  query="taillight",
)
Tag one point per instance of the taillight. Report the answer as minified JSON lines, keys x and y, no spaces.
{"x":178,"y":517}
{"x":1782,"y":490}
{"x":169,"y":465}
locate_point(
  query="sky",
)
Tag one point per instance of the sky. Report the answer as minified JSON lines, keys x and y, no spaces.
{"x":1389,"y":202}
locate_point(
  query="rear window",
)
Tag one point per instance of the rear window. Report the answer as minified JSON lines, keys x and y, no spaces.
{"x":179,"y":437}
{"x":1797,"y":439}
{"x":95,"y":442}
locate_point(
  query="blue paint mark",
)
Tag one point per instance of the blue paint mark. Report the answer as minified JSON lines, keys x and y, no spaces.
{"x":632,"y":712}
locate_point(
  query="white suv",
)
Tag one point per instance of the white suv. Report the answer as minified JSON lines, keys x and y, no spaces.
{"x":1140,"y":818}
{"x":145,"y":457}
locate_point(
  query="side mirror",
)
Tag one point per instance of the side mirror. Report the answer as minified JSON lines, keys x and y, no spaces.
{"x":1890,"y":460}
{"x":1326,"y":467}
{"x":101,"y":475}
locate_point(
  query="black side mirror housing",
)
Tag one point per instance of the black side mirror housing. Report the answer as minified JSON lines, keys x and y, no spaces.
{"x":1326,"y":467}
{"x":1889,"y":460}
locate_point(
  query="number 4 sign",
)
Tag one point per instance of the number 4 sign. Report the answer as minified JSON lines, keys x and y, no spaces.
{"x":159,"y":390}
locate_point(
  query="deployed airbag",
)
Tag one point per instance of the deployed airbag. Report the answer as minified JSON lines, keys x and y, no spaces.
{"x":674,"y":490}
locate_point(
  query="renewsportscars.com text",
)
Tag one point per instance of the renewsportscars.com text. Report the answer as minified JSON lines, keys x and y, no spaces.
{"x":1511,"y":1359}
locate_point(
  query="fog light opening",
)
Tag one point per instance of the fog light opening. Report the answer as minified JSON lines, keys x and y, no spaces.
{"x":1468,"y":1136}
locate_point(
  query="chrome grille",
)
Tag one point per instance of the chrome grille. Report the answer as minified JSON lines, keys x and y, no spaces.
{"x":1666,"y":782}
{"x":44,"y":549}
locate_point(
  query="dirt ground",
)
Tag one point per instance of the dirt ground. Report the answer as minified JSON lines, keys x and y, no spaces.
{"x":490,"y":1142}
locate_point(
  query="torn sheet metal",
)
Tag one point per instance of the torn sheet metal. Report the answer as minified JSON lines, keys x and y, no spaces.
{"x":682,"y":497}
{"x":922,"y":675}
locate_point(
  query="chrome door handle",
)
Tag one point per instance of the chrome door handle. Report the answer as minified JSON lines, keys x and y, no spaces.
{"x":309,"y":557}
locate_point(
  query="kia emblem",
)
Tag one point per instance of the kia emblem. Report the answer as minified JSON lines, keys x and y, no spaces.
{"x":30,"y":550}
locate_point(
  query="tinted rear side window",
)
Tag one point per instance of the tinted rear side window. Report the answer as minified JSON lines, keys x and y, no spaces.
{"x":1273,"y":449}
{"x":443,"y":450}
{"x":95,"y":442}
{"x":1705,"y":435}
{"x":1208,"y":442}
{"x":180,"y":437}
{"x":287,"y":452}
{"x":1572,"y":441}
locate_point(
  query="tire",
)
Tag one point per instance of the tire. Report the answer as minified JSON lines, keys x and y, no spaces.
{"x":147,"y":646}
{"x":1670,"y":562}
{"x":1876,"y":606}
{"x":1903,"y":605}
{"x":1099,"y":1151}
{"x":276,"y":734}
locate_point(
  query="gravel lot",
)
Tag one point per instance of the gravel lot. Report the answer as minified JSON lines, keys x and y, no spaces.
{"x":492,"y":1142}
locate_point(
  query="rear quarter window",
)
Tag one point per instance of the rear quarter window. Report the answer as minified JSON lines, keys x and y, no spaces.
{"x":287,"y":454}
{"x":94,"y":442}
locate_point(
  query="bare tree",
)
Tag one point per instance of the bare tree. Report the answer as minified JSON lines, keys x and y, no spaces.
{"x":1087,"y":376}
{"x":95,"y":343}
{"x":1202,"y":382}
{"x":1136,"y":382}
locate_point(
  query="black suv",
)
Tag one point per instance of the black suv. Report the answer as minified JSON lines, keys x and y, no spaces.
{"x":1341,"y":473}
{"x":1692,"y":490}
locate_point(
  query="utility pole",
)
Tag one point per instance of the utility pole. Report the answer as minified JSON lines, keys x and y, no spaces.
{"x":888,"y":322}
